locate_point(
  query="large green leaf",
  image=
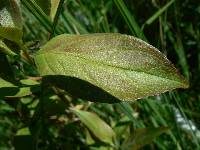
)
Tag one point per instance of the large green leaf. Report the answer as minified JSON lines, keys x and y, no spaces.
{"x":78,"y":88}
{"x":96,"y":125}
{"x":11,"y":20}
{"x":124,"y":66}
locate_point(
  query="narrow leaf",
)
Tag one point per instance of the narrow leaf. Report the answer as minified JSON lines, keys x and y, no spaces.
{"x":5,"y":49}
{"x":23,"y":131}
{"x":54,"y":7}
{"x":24,"y":91}
{"x":96,"y":125}
{"x":49,"y":7}
{"x":159,"y":12}
{"x":129,"y":19}
{"x":142,"y":137}
{"x":124,"y":66}
{"x":37,"y":11}
{"x":12,"y":34}
{"x":78,"y":27}
{"x":5,"y":84}
{"x":29,"y":82}
{"x":89,"y":139}
{"x":101,"y":148}
{"x":7,"y":88}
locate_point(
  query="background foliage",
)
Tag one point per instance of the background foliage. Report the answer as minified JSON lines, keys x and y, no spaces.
{"x":171,"y":26}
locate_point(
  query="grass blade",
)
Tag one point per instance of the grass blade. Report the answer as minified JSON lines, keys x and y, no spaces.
{"x":159,"y":12}
{"x":38,"y":13}
{"x":55,"y":20}
{"x":129,"y":19}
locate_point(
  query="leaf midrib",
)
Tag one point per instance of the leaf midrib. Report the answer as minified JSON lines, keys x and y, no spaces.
{"x":126,"y":69}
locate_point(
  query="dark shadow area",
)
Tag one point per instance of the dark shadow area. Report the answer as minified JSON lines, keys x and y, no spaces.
{"x":24,"y":142}
{"x":8,"y":91}
{"x":81,"y":89}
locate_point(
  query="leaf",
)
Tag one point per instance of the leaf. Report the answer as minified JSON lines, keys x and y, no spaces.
{"x":11,"y":20}
{"x":8,"y":86}
{"x":122,"y":127}
{"x":11,"y":89}
{"x":5,"y":49}
{"x":24,"y":91}
{"x":89,"y":139}
{"x":29,"y":82}
{"x":49,"y":7}
{"x":124,"y":66}
{"x":7,"y":89}
{"x":129,"y":19}
{"x":5,"y":84}
{"x":78,"y":88}
{"x":142,"y":137}
{"x":23,"y":131}
{"x":10,"y":14}
{"x":12,"y":34}
{"x":27,"y":87}
{"x":54,"y":7}
{"x":101,"y":148}
{"x":97,"y":126}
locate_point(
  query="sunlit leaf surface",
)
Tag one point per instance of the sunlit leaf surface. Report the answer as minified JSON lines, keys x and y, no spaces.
{"x":124,"y":66}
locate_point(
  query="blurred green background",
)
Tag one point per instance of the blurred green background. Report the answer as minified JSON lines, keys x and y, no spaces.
{"x":172,"y":26}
